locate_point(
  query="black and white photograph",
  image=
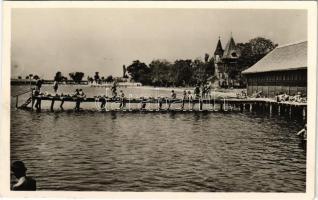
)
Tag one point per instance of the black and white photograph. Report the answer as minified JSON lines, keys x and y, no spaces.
{"x":160,"y":99}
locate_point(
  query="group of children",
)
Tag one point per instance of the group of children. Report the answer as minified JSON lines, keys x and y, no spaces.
{"x":187,"y":95}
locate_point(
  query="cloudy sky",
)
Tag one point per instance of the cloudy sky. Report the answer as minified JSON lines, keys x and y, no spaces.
{"x":99,"y":39}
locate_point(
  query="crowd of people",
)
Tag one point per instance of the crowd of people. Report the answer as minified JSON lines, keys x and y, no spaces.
{"x":186,"y":96}
{"x":299,"y":98}
{"x":281,"y":97}
{"x":78,"y":94}
{"x":200,"y":92}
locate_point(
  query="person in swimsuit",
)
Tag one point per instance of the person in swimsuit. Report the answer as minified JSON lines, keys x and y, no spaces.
{"x":196,"y":94}
{"x":55,"y":86}
{"x":173,"y":97}
{"x":184,"y":98}
{"x":38,"y":84}
{"x":122,"y":100}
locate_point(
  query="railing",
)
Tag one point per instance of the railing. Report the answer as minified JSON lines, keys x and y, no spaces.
{"x":17,"y":96}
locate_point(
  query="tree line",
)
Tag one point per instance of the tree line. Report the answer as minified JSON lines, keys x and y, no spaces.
{"x":187,"y":72}
{"x":179,"y":73}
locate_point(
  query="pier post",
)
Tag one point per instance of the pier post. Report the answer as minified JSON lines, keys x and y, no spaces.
{"x":270,"y":108}
{"x":221,"y":107}
{"x":278,"y":110}
{"x":16,"y":101}
{"x":251,"y":107}
{"x":52,"y":105}
{"x":304,"y":112}
{"x":61,"y":105}
{"x":290,"y":110}
{"x":32,"y":100}
{"x":201,"y":104}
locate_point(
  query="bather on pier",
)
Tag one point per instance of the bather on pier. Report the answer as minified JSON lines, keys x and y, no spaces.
{"x":80,"y":95}
{"x":36,"y":92}
{"x":173,"y":97}
{"x":143,"y":103}
{"x":122,"y":100}
{"x":184,"y":98}
{"x":38,"y":84}
{"x":114,"y":90}
{"x":196,"y":95}
{"x":103,"y":101}
{"x":55,"y":86}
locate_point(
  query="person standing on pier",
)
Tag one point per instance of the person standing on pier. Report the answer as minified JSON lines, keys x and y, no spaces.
{"x":173,"y":97}
{"x":122,"y":100}
{"x":24,"y":183}
{"x":55,"y":86}
{"x":80,"y":95}
{"x":38,"y":84}
{"x":196,"y":94}
{"x":114,"y":89}
{"x":184,"y":98}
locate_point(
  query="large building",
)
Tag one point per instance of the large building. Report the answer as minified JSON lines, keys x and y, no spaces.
{"x":226,"y":64}
{"x":283,"y":70}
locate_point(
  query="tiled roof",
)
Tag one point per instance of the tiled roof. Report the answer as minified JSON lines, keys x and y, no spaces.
{"x":288,"y":57}
{"x":230,"y":50}
{"x":219,"y":49}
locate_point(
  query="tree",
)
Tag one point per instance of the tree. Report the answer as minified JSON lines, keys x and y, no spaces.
{"x":181,"y":73}
{"x":198,"y":71}
{"x":124,"y":72}
{"x":19,"y":77}
{"x":109,"y":79}
{"x":206,"y":57}
{"x":58,"y":76}
{"x":27,"y":77}
{"x":261,"y":46}
{"x":140,"y":72}
{"x":36,"y":77}
{"x":76,"y":76}
{"x":96,"y":77}
{"x":159,"y":70}
{"x":253,"y":51}
{"x":64,"y":78}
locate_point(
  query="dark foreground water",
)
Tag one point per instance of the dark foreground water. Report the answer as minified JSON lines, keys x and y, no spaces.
{"x":211,"y":152}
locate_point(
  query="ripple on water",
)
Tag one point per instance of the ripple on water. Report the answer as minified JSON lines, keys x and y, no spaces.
{"x":210,"y":152}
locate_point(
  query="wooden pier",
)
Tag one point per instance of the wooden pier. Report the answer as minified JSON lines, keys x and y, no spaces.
{"x":169,"y":105}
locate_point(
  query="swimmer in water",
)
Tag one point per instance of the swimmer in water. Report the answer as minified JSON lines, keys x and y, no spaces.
{"x":303,"y":132}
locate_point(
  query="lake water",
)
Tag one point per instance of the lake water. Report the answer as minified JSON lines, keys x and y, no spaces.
{"x":116,"y":151}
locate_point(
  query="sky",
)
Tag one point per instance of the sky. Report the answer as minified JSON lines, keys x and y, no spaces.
{"x":47,"y":40}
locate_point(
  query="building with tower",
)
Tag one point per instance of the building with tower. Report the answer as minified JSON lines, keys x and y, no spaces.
{"x":227,"y":69}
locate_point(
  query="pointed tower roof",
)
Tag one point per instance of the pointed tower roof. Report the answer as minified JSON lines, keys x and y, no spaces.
{"x":219,"y":49}
{"x":230,"y":50}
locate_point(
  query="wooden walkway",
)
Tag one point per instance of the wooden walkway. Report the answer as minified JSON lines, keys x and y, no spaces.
{"x":169,"y":105}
